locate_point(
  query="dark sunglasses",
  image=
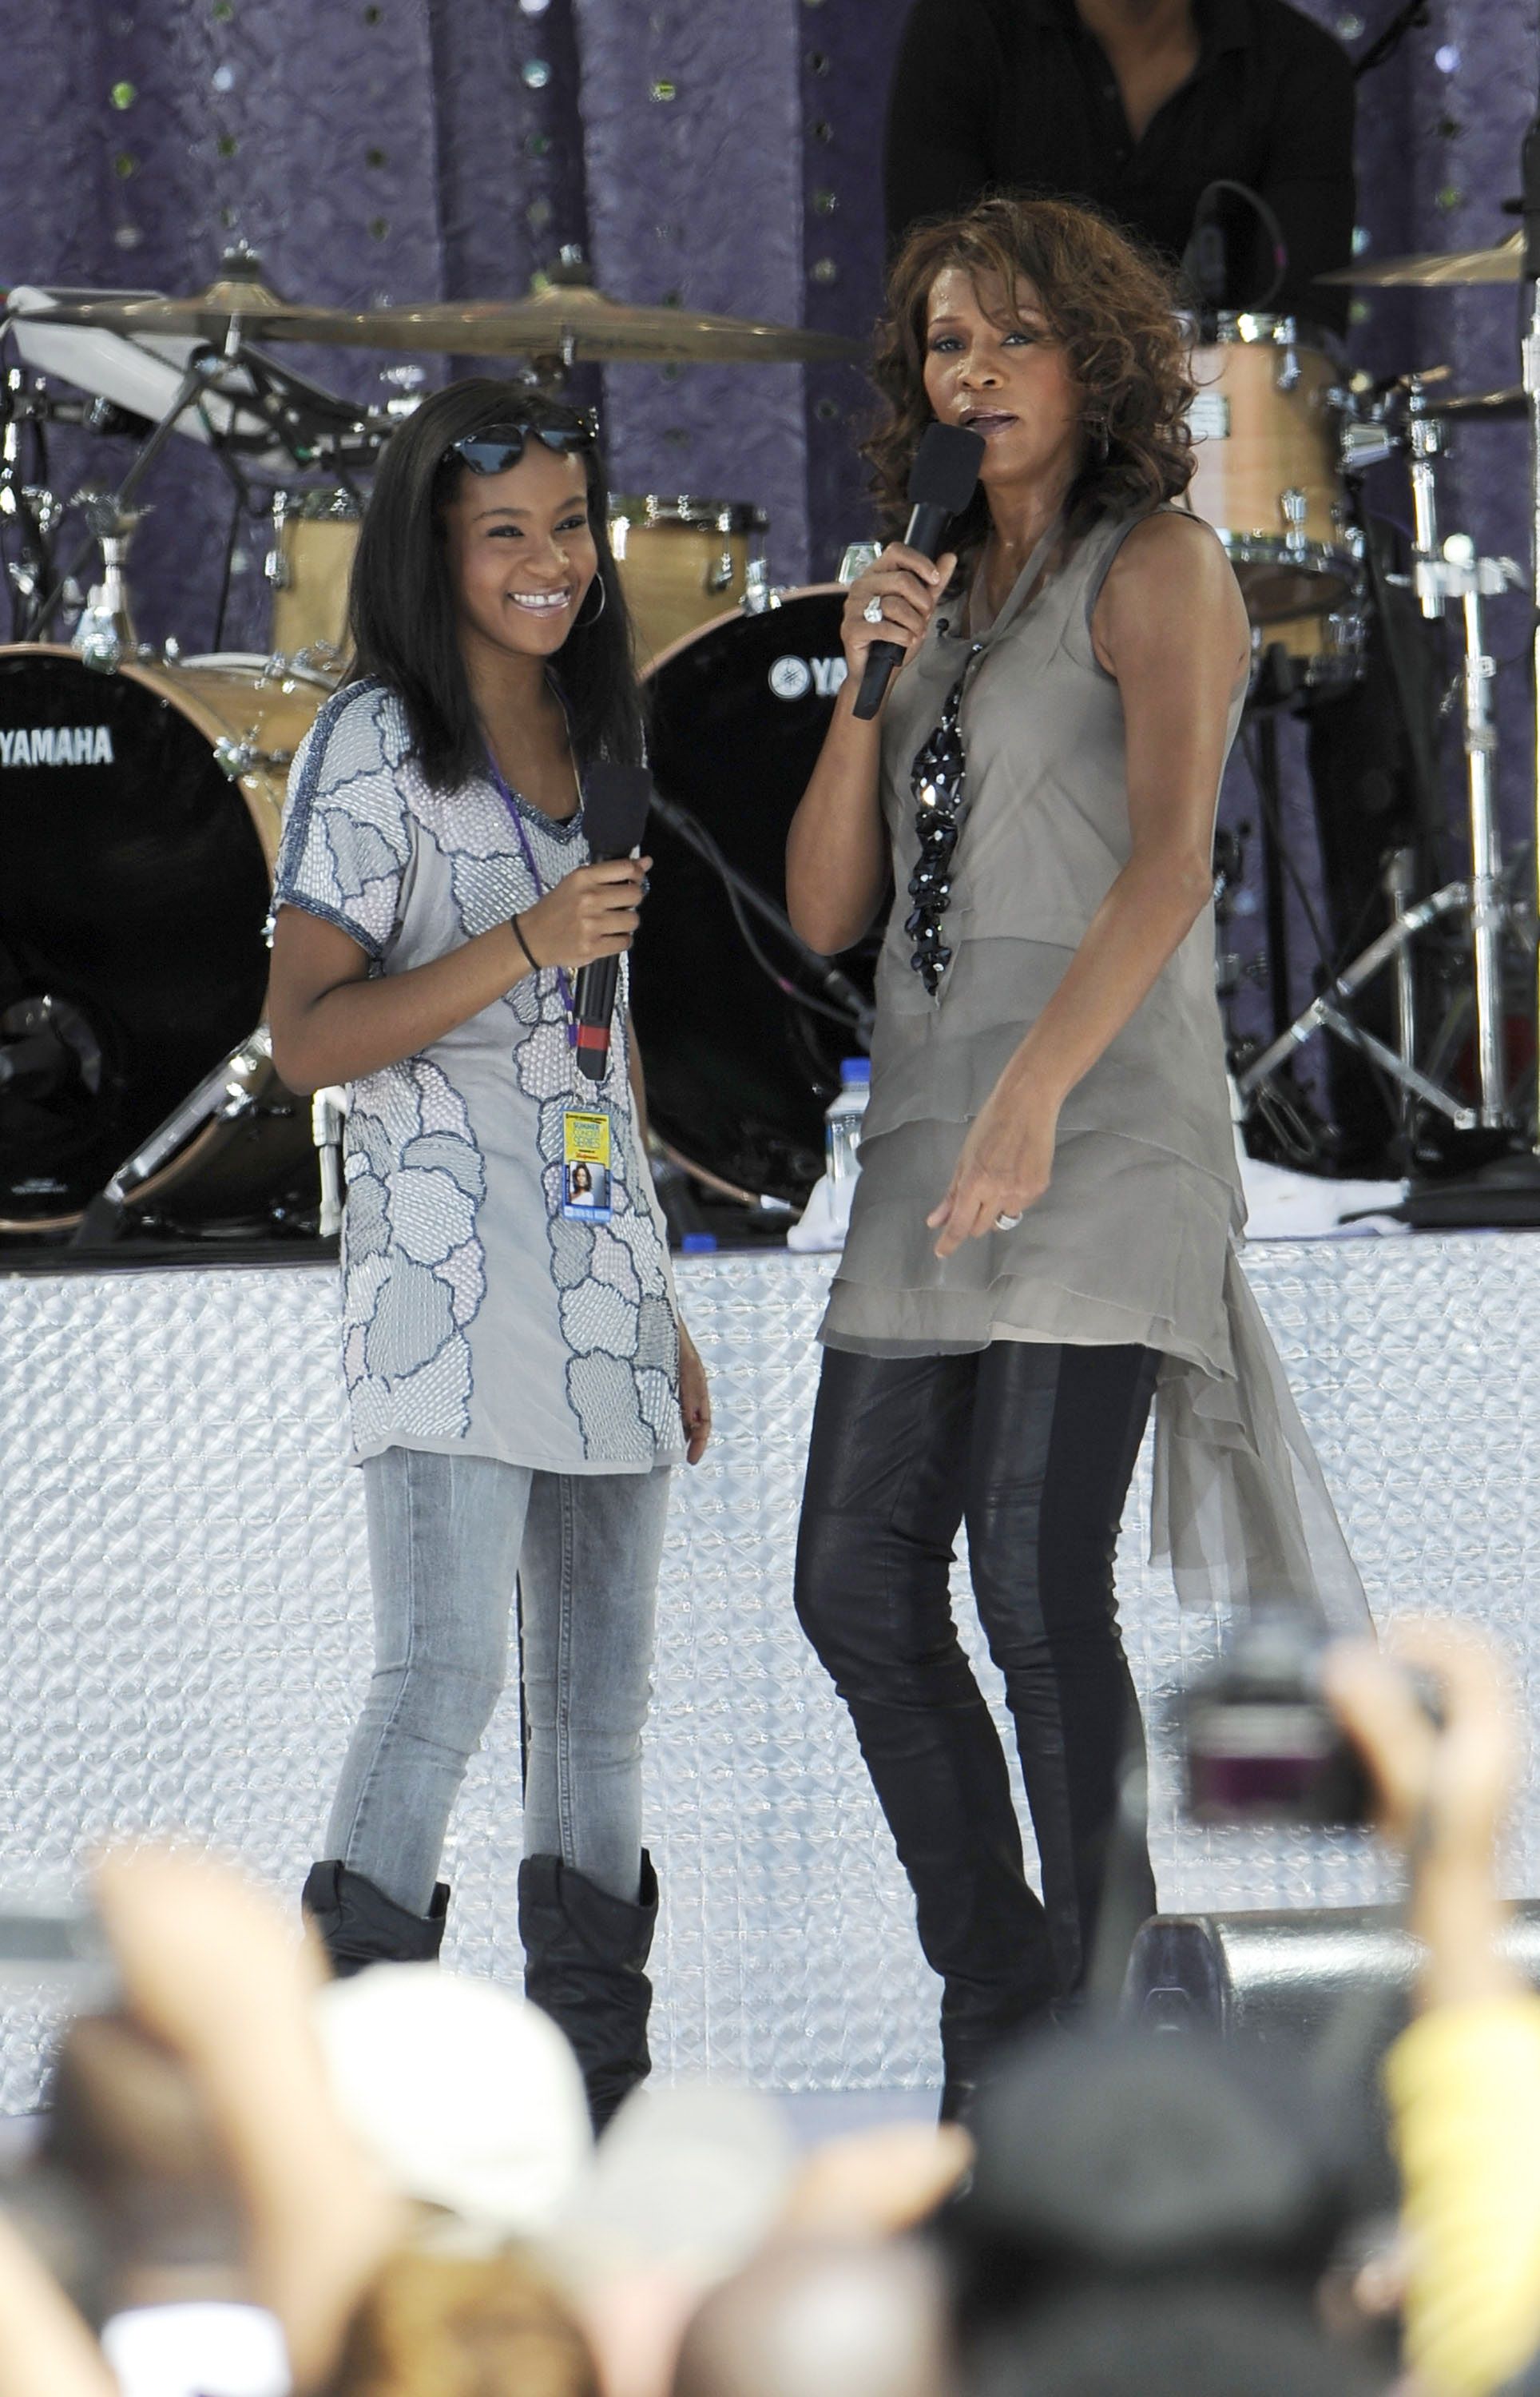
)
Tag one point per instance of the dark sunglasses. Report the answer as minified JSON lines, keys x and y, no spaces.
{"x":938,"y":779}
{"x":495,"y":452}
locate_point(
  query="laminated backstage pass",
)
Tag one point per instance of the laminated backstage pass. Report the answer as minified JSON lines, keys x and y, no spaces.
{"x":586,"y":1165}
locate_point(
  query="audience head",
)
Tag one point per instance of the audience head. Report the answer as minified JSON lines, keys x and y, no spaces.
{"x":1117,"y":2152}
{"x":436,"y":2326}
{"x":469,"y":2100}
{"x":1176,"y":2337}
{"x":823,"y":2318}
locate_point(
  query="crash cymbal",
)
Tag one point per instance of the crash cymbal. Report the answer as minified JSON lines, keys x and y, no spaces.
{"x":571,"y":322}
{"x":1503,"y":263}
{"x":237,"y":296}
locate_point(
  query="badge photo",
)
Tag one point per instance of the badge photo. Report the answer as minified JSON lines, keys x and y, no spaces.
{"x":586,"y":1166}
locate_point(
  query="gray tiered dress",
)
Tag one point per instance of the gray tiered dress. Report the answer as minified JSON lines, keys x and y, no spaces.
{"x":1135,"y":1239}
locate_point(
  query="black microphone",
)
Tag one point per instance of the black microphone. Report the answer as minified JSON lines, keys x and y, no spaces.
{"x":940,"y":486}
{"x":616,"y":799}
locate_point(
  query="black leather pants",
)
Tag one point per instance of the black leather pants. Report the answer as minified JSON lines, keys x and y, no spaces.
{"x":1033,"y":1446}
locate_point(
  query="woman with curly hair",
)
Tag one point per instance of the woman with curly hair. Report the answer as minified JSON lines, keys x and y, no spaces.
{"x":1042,"y":1236}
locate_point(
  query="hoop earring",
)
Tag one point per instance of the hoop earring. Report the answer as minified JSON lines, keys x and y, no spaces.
{"x":583,"y":625}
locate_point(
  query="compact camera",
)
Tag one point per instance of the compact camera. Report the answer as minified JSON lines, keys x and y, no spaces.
{"x":1259,"y":1743}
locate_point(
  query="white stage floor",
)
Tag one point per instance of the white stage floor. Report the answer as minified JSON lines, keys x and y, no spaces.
{"x":185,"y":1631}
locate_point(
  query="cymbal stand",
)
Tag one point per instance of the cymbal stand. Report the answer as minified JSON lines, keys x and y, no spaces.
{"x":1442,"y":574}
{"x":202,"y":367}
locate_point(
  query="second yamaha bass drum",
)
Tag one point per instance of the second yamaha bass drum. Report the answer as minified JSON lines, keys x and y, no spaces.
{"x":140,"y":821}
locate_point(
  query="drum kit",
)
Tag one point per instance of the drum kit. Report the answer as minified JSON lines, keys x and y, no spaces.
{"x":144,"y":792}
{"x":1281,"y":435}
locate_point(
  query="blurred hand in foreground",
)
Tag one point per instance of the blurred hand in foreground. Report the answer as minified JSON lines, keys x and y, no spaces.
{"x":1442,"y":1787}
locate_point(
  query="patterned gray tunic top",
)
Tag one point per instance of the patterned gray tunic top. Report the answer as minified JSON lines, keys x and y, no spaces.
{"x":476,"y":1320}
{"x":1134,"y":1240}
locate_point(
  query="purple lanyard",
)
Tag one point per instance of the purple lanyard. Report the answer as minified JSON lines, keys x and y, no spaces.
{"x":512,"y":804}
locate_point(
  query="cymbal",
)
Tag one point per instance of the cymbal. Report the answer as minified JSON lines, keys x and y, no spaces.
{"x":570,"y":322}
{"x":1501,"y":264}
{"x":1509,"y":406}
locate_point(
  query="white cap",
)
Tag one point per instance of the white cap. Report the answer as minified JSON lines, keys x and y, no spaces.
{"x":204,"y":2350}
{"x":469,"y":2098}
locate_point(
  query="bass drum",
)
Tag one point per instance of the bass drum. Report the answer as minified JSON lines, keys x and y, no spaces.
{"x":739,"y":1069}
{"x":140,"y":823}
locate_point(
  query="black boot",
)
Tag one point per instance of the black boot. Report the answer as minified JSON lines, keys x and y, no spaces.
{"x":361,"y":1925}
{"x":585,"y":1955}
{"x":974,"y":2048}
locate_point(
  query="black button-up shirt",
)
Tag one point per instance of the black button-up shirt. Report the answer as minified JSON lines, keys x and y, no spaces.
{"x":1017,"y":95}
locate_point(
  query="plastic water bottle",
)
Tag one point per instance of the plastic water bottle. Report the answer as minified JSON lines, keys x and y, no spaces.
{"x":842,"y":1128}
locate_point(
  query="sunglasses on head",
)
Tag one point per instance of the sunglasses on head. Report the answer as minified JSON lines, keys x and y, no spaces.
{"x":495,"y":452}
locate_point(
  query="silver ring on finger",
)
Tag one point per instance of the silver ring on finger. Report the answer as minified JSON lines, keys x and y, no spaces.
{"x":872,"y":611}
{"x":1007,"y":1222}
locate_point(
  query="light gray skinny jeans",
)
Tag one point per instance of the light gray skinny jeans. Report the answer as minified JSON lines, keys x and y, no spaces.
{"x":448,"y":1537}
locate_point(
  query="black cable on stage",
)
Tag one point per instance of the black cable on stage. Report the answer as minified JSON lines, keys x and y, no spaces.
{"x":855,"y":1016}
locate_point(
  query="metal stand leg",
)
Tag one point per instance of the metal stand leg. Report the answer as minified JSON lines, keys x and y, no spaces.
{"x":1400,"y":881}
{"x":1486,"y":888}
{"x":1325,"y":1014}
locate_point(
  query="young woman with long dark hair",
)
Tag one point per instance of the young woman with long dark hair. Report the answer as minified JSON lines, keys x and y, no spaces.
{"x":1041,"y":1239}
{"x":518,"y":1381}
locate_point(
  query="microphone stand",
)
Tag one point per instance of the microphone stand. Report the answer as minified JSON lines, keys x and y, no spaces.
{"x":837,"y":987}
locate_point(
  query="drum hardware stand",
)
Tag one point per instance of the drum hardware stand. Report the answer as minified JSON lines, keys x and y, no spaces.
{"x":1531,"y":188}
{"x":229,"y":1090}
{"x":758,"y":593}
{"x":1507,"y":1190}
{"x":1400,"y":880}
{"x":1457,"y":574}
{"x":329,"y":1114}
{"x":1444,"y":572}
{"x":839,"y":990}
{"x":104,"y":634}
{"x":203,"y":366}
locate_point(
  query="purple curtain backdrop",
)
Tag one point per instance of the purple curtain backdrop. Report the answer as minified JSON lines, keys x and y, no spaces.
{"x":417,"y":149}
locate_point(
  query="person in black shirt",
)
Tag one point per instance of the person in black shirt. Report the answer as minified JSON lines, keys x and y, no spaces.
{"x":1137,"y":106}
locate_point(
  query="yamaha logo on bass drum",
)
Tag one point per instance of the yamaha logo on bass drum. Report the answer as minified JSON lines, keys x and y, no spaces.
{"x":794,"y":678}
{"x":57,"y":744}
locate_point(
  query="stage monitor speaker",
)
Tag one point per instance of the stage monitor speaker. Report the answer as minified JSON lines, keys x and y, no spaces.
{"x":1334,"y":1986}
